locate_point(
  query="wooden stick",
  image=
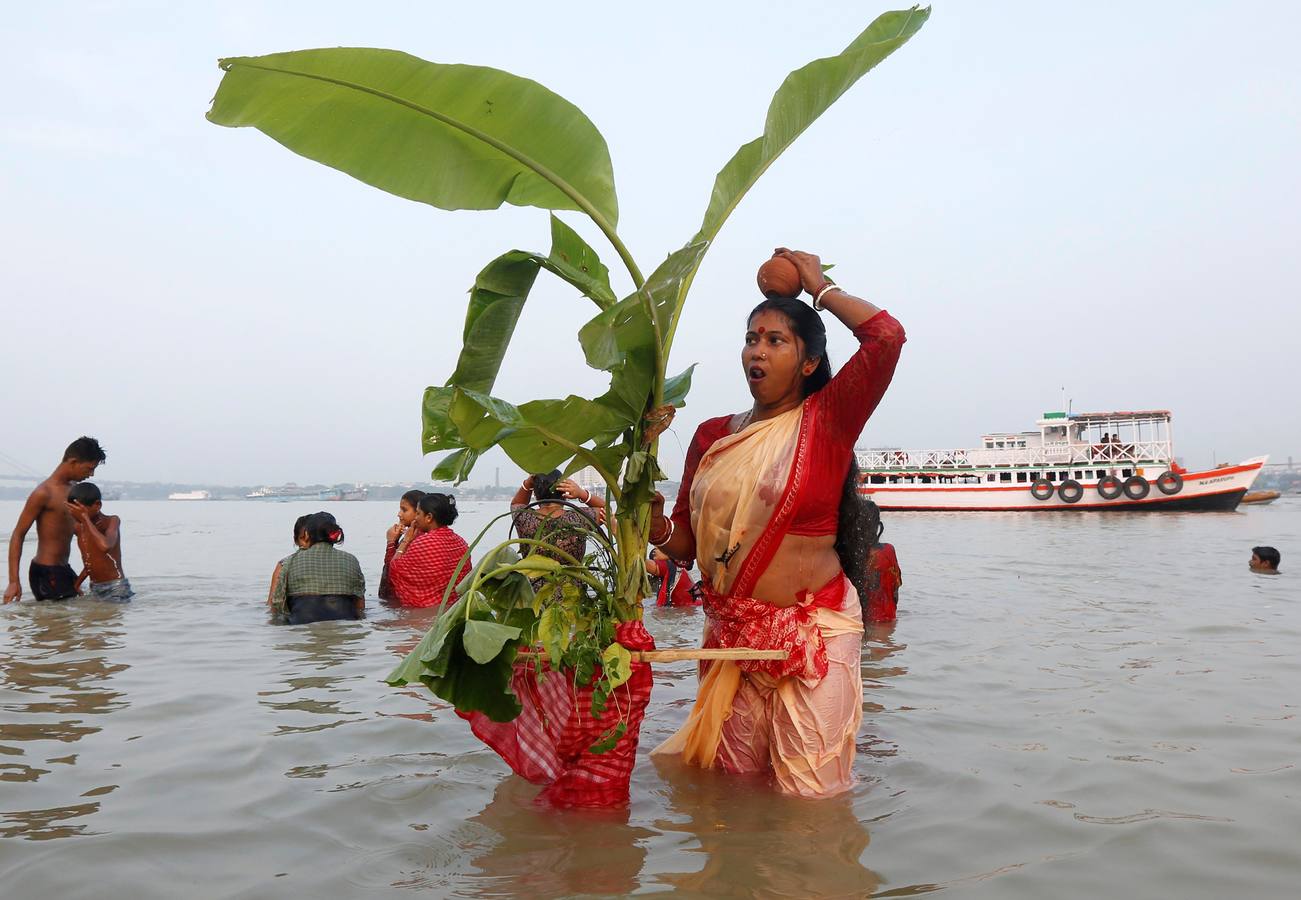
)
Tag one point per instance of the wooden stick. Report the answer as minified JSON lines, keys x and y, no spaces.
{"x":690,"y":653}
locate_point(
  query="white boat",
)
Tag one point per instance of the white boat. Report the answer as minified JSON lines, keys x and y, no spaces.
{"x":1075,"y":461}
{"x":190,"y":495}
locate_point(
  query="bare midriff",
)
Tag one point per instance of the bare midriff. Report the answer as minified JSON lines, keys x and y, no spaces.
{"x":802,"y":564}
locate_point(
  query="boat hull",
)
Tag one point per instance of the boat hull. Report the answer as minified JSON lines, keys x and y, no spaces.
{"x":1213,"y":490}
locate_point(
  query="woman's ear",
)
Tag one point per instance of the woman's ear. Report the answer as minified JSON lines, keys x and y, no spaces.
{"x":811,"y":365}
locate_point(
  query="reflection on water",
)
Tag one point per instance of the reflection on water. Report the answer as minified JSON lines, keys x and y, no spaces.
{"x":55,"y":674}
{"x":748,"y":841}
{"x":329,"y":648}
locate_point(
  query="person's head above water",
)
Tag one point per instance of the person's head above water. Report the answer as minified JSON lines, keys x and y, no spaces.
{"x":544,"y":487}
{"x":1264,"y":560}
{"x":321,"y":528}
{"x":86,"y":494}
{"x":82,"y":457}
{"x":408,"y":506}
{"x":785,"y":352}
{"x":300,"y":531}
{"x":436,"y":511}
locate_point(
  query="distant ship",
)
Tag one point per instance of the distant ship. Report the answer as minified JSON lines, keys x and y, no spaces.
{"x":286,"y":492}
{"x":357,"y":493}
{"x":1075,"y":461}
{"x":190,"y":495}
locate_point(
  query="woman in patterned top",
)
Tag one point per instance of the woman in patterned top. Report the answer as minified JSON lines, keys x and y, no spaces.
{"x":551,"y":520}
{"x":319,"y":583}
{"x":430,"y":556}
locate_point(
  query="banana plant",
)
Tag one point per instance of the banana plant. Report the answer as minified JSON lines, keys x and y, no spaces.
{"x":472,"y":137}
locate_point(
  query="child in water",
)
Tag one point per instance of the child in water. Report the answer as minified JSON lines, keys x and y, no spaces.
{"x":883,"y":576}
{"x":300,"y":542}
{"x":401,"y":532}
{"x":99,"y":538}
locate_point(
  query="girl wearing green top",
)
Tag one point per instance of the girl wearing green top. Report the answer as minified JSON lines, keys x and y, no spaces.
{"x":319,"y":582}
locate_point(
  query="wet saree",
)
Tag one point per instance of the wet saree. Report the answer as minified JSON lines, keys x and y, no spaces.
{"x":796,"y":717}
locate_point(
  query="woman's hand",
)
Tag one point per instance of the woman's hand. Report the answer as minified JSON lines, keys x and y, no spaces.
{"x":528,"y":483}
{"x":808,"y":265}
{"x":394,"y":532}
{"x":571,"y":491}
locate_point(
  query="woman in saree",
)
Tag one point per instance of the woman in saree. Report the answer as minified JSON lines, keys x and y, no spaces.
{"x":766,"y":508}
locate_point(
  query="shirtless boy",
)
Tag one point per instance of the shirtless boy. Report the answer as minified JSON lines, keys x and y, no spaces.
{"x":50,"y":575}
{"x":99,"y":538}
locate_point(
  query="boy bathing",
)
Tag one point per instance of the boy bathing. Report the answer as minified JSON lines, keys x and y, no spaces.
{"x":99,"y":538}
{"x":50,"y":575}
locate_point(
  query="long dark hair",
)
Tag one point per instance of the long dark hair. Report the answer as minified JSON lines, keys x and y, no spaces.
{"x":321,"y":527}
{"x":441,"y":506}
{"x":856,"y":530}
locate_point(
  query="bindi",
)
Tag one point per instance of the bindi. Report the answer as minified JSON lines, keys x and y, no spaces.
{"x":762,"y":329}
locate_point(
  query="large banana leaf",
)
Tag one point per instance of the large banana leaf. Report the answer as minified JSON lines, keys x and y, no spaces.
{"x":538,"y":436}
{"x":802,"y":98}
{"x":499,"y":293}
{"x":621,"y":339}
{"x":453,"y":136}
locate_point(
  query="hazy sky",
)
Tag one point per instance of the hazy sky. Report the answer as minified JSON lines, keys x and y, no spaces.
{"x":1100,"y":196}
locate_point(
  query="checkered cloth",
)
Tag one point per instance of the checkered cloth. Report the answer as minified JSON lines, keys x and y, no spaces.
{"x":319,"y":569}
{"x":548,"y":742}
{"x":420,"y":574}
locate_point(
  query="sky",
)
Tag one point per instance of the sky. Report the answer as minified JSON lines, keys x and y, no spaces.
{"x":1099,"y":197}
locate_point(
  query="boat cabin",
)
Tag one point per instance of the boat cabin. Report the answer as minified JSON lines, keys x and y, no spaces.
{"x":1078,"y":446}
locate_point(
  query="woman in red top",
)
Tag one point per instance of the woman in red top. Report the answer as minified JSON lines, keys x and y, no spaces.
{"x":881,"y":597}
{"x":759,"y":509}
{"x":431,"y":555}
{"x":675,"y":582}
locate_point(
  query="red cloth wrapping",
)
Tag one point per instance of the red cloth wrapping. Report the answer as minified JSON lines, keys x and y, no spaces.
{"x":746,"y":622}
{"x":881,"y":605}
{"x":548,"y":742}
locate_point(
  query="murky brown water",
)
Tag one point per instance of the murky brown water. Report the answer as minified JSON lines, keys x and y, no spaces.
{"x":1068,"y":706}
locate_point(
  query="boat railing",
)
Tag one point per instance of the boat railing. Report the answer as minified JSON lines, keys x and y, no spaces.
{"x":1047,"y":455}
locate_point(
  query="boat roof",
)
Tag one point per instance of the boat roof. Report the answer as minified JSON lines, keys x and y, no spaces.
{"x":1121,"y":414}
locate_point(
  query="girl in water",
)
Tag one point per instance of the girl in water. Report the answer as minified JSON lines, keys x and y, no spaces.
{"x":430,"y":556}
{"x":406,"y":516}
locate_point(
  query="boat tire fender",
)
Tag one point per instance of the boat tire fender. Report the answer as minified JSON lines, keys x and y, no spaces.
{"x":1170,"y":483}
{"x":1070,"y":491}
{"x":1136,"y":487}
{"x":1110,"y":487}
{"x":1042,"y":489}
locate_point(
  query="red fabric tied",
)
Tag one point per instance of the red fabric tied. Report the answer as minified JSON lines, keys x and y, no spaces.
{"x":746,"y":622}
{"x":548,"y":742}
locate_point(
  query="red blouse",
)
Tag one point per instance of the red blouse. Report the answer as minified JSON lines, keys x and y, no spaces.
{"x":839,"y":410}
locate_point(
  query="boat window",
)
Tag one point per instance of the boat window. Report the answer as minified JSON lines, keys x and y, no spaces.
{"x":1034,"y":476}
{"x":1063,"y":475}
{"x":1020,"y":477}
{"x":1125,"y":473}
{"x":878,"y":479}
{"x":1099,"y":473}
{"x":1079,"y":474}
{"x":894,"y":479}
{"x":1052,"y":476}
{"x":926,"y":479}
{"x":989,"y":477}
{"x":1004,"y":476}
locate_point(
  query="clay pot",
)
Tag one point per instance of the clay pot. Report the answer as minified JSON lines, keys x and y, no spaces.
{"x":778,"y":277}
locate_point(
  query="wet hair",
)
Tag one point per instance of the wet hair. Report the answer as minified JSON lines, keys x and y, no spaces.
{"x":321,"y":527}
{"x":441,"y":506}
{"x":412,"y":497}
{"x":300,"y":527}
{"x":85,"y":493}
{"x":84,"y":449}
{"x":856,"y":529}
{"x":544,"y":486}
{"x":1267,"y":555}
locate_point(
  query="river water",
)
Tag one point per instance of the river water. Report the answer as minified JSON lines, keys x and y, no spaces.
{"x":1069,"y":706}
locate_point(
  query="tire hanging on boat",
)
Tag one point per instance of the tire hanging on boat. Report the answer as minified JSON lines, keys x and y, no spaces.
{"x":1170,"y":482}
{"x":1136,"y":487}
{"x":1110,"y":487}
{"x":1070,"y":491}
{"x":1042,"y":489}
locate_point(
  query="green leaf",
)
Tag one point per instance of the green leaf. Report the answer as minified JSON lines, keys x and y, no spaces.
{"x":480,"y":687}
{"x":802,"y":98}
{"x":617,"y":662}
{"x":535,"y":565}
{"x":676,"y":388}
{"x":455,"y":467}
{"x":610,"y":739}
{"x":452,"y":136}
{"x":484,"y":639}
{"x":572,"y":259}
{"x":431,"y":655}
{"x":496,"y":301}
